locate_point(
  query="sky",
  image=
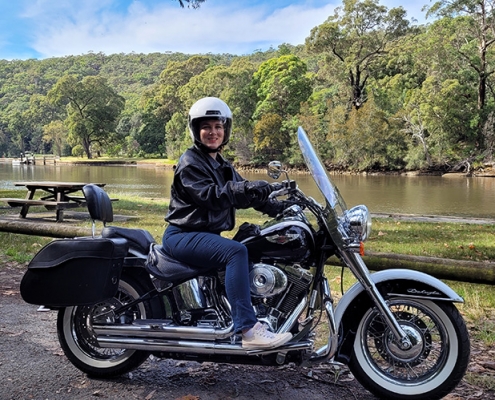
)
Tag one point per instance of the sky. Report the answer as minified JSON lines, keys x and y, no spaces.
{"x":43,"y":29}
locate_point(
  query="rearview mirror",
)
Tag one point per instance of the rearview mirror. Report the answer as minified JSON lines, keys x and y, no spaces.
{"x":274,"y":169}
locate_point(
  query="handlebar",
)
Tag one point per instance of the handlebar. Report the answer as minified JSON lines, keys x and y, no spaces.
{"x":278,"y":193}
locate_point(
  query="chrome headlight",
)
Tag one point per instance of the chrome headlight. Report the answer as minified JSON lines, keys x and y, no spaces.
{"x":359,"y":223}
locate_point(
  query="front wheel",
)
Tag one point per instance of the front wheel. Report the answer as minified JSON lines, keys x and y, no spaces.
{"x":430,"y":369}
{"x":78,"y":341}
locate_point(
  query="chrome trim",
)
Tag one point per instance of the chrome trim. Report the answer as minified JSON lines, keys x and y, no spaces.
{"x":327,"y":351}
{"x":286,"y":224}
{"x":156,"y":329}
{"x":193,"y":347}
{"x":289,"y":323}
{"x":361,"y":272}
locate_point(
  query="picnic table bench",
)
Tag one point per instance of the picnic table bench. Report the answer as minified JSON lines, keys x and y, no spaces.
{"x":56,"y":196}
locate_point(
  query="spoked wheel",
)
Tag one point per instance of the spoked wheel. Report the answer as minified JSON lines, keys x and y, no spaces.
{"x":78,"y":341}
{"x":430,"y":369}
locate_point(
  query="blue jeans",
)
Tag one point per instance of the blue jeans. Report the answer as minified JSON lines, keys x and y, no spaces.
{"x":206,"y":250}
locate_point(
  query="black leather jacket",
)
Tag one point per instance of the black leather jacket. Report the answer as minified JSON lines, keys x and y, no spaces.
{"x":206,"y":192}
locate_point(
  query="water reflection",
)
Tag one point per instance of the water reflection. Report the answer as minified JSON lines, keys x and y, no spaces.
{"x":395,"y":194}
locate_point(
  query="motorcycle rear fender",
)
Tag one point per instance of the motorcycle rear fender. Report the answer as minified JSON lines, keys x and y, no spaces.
{"x":390,"y":283}
{"x":134,"y":269}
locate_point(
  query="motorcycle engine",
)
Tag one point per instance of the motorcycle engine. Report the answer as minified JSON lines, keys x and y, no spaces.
{"x":266,"y":280}
{"x":277,"y":289}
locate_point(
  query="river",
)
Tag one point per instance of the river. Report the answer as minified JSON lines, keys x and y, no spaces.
{"x":431,"y":195}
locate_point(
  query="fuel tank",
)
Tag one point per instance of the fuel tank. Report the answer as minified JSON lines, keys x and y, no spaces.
{"x":289,"y":239}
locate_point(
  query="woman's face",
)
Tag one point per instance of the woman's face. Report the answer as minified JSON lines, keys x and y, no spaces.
{"x":211,"y":133}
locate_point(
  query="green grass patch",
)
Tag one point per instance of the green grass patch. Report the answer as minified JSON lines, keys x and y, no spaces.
{"x":478,"y":380}
{"x":445,"y":240}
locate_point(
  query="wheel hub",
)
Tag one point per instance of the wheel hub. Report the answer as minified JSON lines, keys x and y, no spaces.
{"x":410,"y":353}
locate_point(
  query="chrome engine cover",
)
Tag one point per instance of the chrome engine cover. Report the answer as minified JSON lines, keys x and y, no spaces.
{"x":266,"y":280}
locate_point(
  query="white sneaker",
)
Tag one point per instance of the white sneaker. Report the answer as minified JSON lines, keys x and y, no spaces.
{"x":259,"y":337}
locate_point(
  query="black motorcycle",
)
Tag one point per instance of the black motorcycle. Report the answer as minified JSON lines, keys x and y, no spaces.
{"x":120,"y":298}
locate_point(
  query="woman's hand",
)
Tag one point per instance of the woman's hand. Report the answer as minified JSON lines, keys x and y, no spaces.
{"x":259,"y":190}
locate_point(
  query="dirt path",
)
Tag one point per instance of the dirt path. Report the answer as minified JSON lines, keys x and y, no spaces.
{"x":32,"y":366}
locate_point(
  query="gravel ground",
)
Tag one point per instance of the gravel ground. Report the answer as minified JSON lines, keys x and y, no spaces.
{"x":32,"y":366}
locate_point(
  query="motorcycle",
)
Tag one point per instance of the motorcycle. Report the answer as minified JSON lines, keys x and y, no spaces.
{"x":120,"y":298}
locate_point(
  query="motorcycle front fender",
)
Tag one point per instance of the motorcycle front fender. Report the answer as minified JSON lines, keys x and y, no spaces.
{"x":390,"y":283}
{"x":400,"y":283}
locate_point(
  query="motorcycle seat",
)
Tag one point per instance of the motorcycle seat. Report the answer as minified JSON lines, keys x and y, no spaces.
{"x":139,"y":239}
{"x":165,"y":268}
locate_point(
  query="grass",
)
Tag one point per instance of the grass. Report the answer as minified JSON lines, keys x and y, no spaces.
{"x":447,"y":240}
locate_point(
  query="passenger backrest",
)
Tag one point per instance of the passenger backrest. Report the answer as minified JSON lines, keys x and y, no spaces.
{"x":98,"y":203}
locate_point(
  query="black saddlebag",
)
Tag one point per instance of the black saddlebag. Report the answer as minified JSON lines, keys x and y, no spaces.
{"x":71,"y":272}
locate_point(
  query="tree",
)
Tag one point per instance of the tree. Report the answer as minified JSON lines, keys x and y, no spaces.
{"x":282,"y":84}
{"x":93,"y":109}
{"x":56,"y":134}
{"x":436,"y":97}
{"x":357,"y":35}
{"x":474,"y":36}
{"x":176,"y":135}
{"x":191,"y":3}
{"x":474,"y":39}
{"x":367,"y":140}
{"x":268,"y":138}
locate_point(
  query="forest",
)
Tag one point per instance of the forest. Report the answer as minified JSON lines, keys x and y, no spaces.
{"x":374,"y":91}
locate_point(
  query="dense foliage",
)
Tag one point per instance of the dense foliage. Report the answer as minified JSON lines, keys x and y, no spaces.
{"x":372,"y":89}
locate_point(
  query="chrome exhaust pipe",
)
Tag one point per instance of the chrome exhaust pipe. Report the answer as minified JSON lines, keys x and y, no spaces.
{"x":193,"y":347}
{"x":160,"y":329}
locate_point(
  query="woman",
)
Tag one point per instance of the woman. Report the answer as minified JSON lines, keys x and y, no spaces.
{"x":205,"y":194}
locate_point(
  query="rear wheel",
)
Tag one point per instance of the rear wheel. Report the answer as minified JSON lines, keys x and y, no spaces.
{"x":430,"y":369}
{"x":78,"y":340}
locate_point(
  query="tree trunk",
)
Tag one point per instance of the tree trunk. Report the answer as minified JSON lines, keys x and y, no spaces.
{"x":442,"y":268}
{"x":39,"y":228}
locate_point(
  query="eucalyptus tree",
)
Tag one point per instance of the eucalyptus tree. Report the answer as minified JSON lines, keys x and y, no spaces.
{"x":355,"y":37}
{"x":282,"y":84}
{"x":442,"y":113}
{"x":177,"y":135}
{"x":93,"y":109}
{"x":55,"y":133}
{"x":474,"y":40}
{"x":241,"y":97}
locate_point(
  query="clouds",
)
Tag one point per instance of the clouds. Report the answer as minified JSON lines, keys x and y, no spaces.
{"x":51,"y":28}
{"x":63,"y":27}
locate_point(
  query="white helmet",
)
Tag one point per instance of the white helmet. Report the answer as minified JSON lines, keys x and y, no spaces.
{"x":209,"y":108}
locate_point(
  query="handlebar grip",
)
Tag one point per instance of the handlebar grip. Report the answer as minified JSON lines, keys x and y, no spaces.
{"x":277,"y":193}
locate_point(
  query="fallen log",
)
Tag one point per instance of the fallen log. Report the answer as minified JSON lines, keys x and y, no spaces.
{"x":442,"y":268}
{"x":42,"y":228}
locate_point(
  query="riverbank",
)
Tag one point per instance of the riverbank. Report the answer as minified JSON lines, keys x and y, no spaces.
{"x":486,"y":171}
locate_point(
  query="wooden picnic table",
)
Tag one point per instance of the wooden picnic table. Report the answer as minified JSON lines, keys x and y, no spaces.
{"x":56,"y":196}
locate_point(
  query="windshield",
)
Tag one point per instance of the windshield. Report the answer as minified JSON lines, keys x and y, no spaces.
{"x":320,"y":175}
